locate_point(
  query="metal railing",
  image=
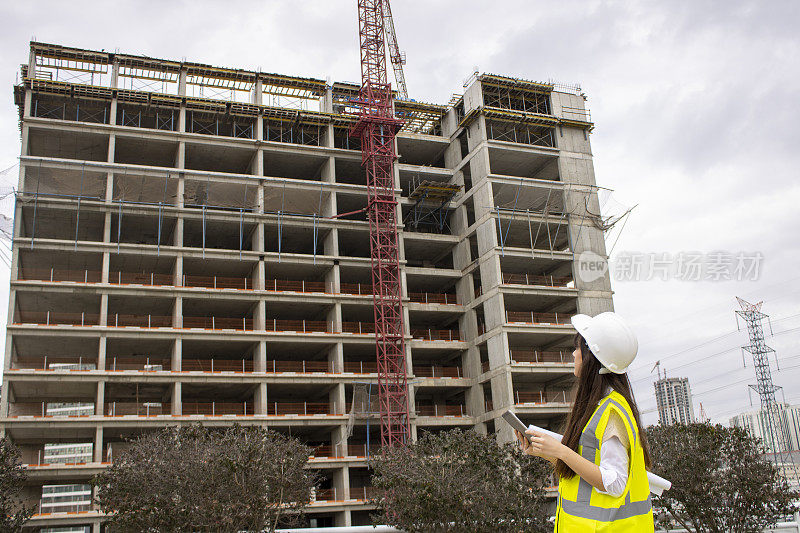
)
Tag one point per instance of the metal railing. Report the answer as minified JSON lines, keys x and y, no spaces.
{"x":530,"y":317}
{"x":353,"y":450}
{"x":301,"y":367}
{"x":542,"y":397}
{"x":364,"y":493}
{"x":300,"y":408}
{"x":361,"y":367}
{"x":219,"y":323}
{"x":358,"y":328}
{"x":52,"y":318}
{"x":53,"y":274}
{"x":114,"y":409}
{"x":278,"y":285}
{"x":530,"y":279}
{"x":217,"y":365}
{"x":356,"y":288}
{"x":433,"y":371}
{"x":441,"y":410}
{"x":135,"y":409}
{"x":72,"y":363}
{"x":217,"y":408}
{"x":218,"y":282}
{"x":433,"y":298}
{"x":68,"y":409}
{"x":536,"y":356}
{"x":216,"y":323}
{"x":436,"y":334}
{"x":141,"y":364}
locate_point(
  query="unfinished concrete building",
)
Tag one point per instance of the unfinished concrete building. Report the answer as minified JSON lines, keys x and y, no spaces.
{"x":178,"y":258}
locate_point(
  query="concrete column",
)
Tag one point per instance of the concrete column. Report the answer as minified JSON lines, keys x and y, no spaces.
{"x":101,"y":352}
{"x":335,"y":318}
{"x":259,"y":136}
{"x":339,"y":441}
{"x":27,"y":108}
{"x":176,"y":364}
{"x":336,"y":357}
{"x":32,"y":64}
{"x":260,"y":315}
{"x":258,"y":237}
{"x":176,"y":407}
{"x":100,"y":398}
{"x":328,"y":171}
{"x":260,"y":357}
{"x":182,"y":92}
{"x":343,"y":518}
{"x":258,"y":278}
{"x":177,"y":275}
{"x":258,"y":91}
{"x":327,"y":100}
{"x":112,"y":112}
{"x":104,"y":309}
{"x":177,"y":239}
{"x":106,"y":263}
{"x":182,"y":119}
{"x":9,"y":347}
{"x":97,"y":452}
{"x":333,"y":280}
{"x":112,"y":141}
{"x":177,"y":313}
{"x":330,"y":246}
{"x":341,"y":482}
{"x":260,"y":399}
{"x":182,"y":81}
{"x":4,"y":398}
{"x":336,"y":399}
{"x":501,"y":383}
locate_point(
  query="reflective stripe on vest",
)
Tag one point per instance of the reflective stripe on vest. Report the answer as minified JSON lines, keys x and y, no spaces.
{"x":589,"y":442}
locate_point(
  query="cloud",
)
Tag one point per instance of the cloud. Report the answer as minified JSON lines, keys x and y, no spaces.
{"x":694,"y":103}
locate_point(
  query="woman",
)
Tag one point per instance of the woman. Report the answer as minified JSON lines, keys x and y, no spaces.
{"x":602,"y":459}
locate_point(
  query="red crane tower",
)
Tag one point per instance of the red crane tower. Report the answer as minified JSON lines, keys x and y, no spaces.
{"x":377,"y":127}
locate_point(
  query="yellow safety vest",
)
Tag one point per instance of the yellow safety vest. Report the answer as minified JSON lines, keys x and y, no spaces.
{"x":581,"y":508}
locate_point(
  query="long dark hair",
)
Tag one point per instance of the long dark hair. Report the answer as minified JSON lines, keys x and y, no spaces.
{"x":589,"y":390}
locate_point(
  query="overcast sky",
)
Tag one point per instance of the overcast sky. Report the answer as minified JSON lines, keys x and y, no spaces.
{"x":696,"y":112}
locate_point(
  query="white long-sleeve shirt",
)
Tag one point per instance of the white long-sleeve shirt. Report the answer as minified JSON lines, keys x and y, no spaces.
{"x":614,"y":456}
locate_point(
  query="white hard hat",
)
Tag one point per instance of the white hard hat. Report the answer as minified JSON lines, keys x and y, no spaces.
{"x":610,"y":339}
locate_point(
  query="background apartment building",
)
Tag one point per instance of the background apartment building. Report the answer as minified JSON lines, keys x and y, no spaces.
{"x":189,"y":247}
{"x":674,"y":401}
{"x":788,"y":423}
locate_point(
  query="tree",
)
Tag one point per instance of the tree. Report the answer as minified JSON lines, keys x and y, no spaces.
{"x":460,"y":481}
{"x":13,"y":511}
{"x":198,"y":479}
{"x":721,"y":481}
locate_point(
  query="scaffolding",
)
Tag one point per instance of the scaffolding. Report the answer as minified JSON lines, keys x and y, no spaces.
{"x":430,"y":208}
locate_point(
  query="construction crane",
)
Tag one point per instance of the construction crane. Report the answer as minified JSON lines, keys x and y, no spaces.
{"x":376,"y":128}
{"x":658,"y":366}
{"x":397,"y":57}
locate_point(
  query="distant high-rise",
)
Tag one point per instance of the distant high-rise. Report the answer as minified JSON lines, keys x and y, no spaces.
{"x":787,"y":422}
{"x":674,"y":400}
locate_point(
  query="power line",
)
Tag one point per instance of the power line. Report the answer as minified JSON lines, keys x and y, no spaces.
{"x":649,"y":397}
{"x":694,"y":361}
{"x":705,"y":310}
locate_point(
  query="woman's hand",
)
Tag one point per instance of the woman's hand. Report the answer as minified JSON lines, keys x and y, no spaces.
{"x":528,"y":447}
{"x":543,"y":445}
{"x":524,"y":444}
